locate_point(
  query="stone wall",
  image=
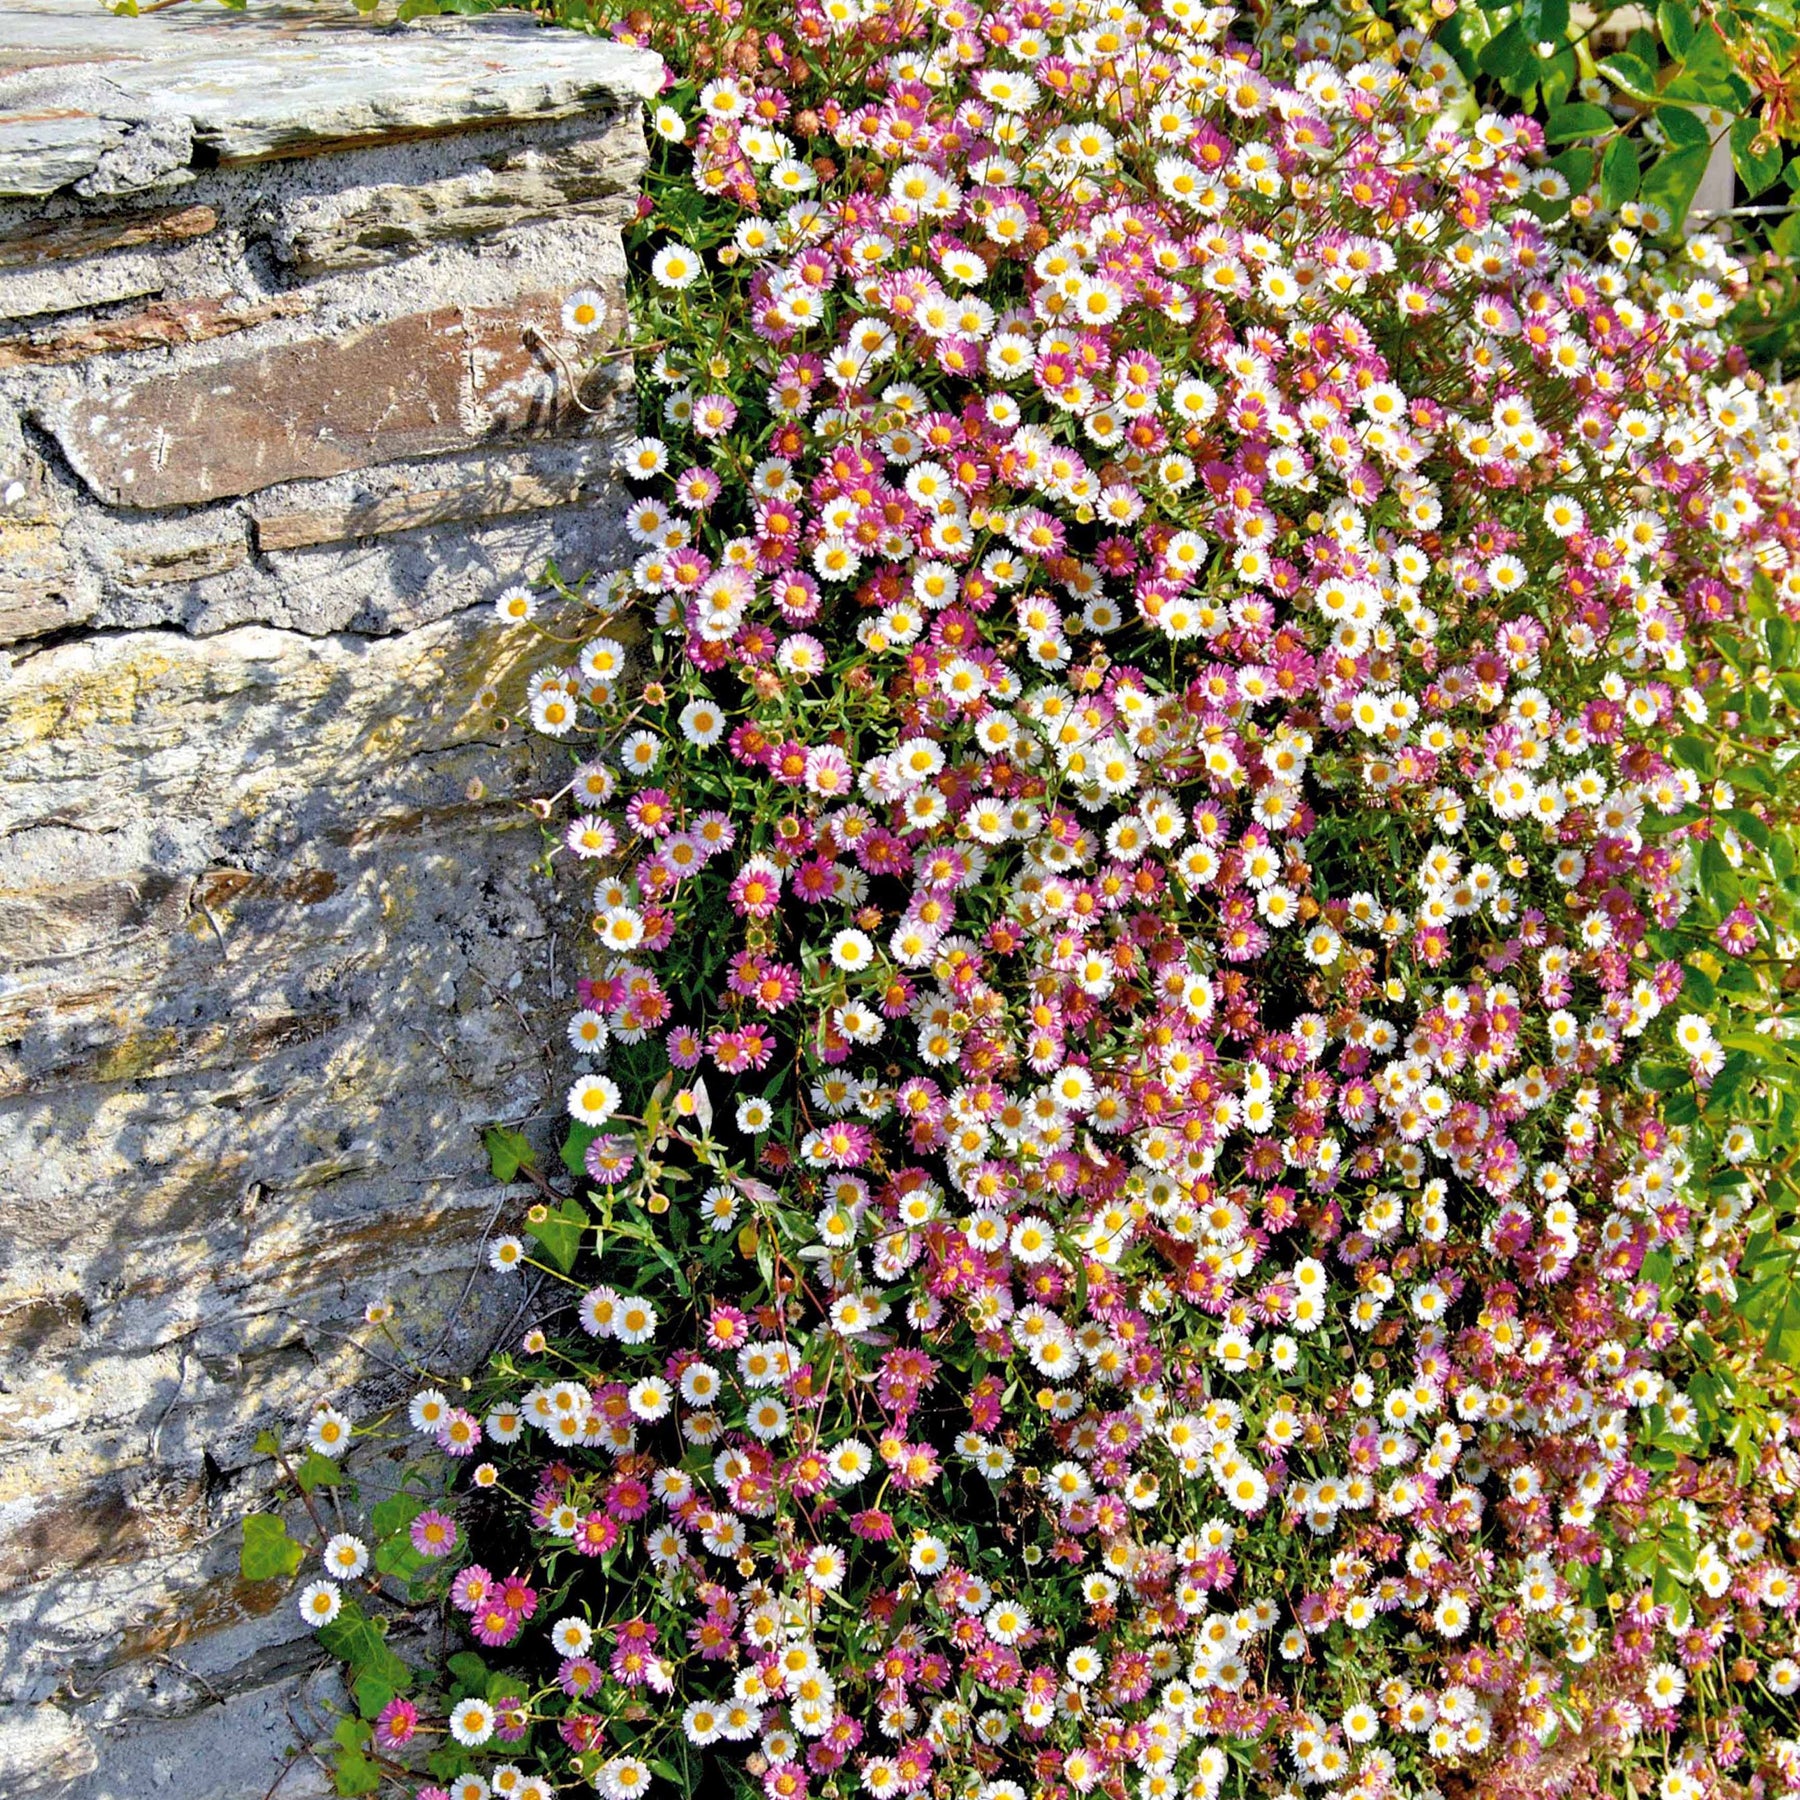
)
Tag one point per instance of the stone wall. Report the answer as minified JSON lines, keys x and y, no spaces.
{"x":285,"y":397}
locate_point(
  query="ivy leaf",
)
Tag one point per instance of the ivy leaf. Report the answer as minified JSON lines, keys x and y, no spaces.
{"x":574,"y":1150}
{"x":268,"y":1553}
{"x":394,"y":1513}
{"x":317,"y":1471}
{"x":353,"y":1773}
{"x":508,"y":1151}
{"x":470,"y":1671}
{"x":559,"y":1233}
{"x":354,"y":1638}
{"x":372,"y":1694}
{"x":396,"y":1556}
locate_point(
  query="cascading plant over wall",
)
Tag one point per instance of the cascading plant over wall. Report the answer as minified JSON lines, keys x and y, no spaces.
{"x":1181,"y":1177}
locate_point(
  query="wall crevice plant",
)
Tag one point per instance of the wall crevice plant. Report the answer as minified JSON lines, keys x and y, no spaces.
{"x":1182,"y":1176}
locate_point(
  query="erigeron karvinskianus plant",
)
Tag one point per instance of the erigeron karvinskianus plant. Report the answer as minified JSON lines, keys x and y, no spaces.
{"x":1154,"y":1210}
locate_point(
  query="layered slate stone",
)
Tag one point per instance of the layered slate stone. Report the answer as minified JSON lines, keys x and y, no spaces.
{"x":77,"y":91}
{"x":375,"y":226}
{"x":407,"y":387}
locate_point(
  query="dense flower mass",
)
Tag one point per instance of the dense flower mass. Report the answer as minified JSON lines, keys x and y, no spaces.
{"x":1137,"y":764}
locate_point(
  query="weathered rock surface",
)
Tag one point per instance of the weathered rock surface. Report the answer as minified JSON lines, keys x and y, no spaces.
{"x":378,"y":226}
{"x":292,"y":80}
{"x":270,"y":950}
{"x":285,"y":398}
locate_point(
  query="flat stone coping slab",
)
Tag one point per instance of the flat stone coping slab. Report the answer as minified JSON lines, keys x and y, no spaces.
{"x":121,"y":105}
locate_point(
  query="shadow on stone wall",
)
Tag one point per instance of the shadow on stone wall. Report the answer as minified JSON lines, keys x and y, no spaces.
{"x":273,"y":954}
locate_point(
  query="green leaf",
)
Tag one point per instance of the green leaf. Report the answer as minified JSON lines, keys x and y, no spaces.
{"x":353,"y":1773}
{"x":1510,"y":57}
{"x":1618,"y":173}
{"x":1757,"y":161}
{"x":1631,"y":75}
{"x":1697,"y":986}
{"x":574,"y":1150}
{"x":1683,"y":129}
{"x":317,"y":1471}
{"x":1578,"y":121}
{"x":1673,"y":180}
{"x":354,"y":1638}
{"x":1576,"y":166}
{"x":267,"y":1444}
{"x":268,"y":1553}
{"x":1694,"y":753}
{"x":470,"y":1671}
{"x":372,"y":1694}
{"x":394,"y":1513}
{"x":559,"y":1233}
{"x":396,"y":1556}
{"x":1544,"y":21}
{"x":1676,"y":25}
{"x":508,"y":1151}
{"x":1718,"y":880}
{"x":1727,"y":1082}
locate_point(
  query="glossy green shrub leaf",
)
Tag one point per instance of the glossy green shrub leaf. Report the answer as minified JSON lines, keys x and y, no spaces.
{"x":1618,"y":173}
{"x":1544,"y":21}
{"x":1672,"y":181}
{"x":1757,"y":161}
{"x":1578,"y":121}
{"x":1630,"y":75}
{"x":1683,"y":128}
{"x":1676,"y":24}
